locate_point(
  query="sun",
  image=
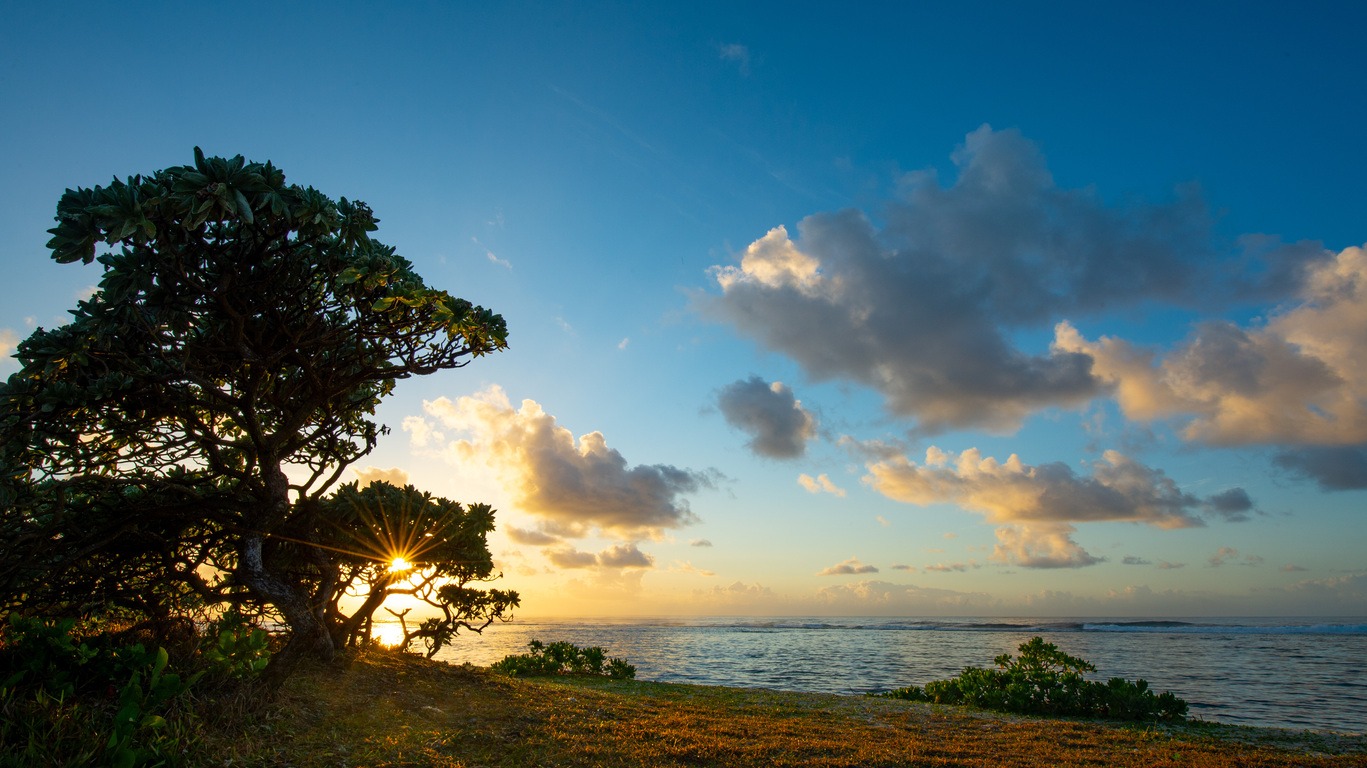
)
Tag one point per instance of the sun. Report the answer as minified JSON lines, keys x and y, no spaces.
{"x":399,"y":564}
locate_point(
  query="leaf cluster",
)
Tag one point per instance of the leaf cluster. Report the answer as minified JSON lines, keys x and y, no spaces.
{"x":1043,"y":680}
{"x":562,"y":658}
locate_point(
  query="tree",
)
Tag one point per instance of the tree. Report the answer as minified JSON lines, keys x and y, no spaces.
{"x":205,"y":399}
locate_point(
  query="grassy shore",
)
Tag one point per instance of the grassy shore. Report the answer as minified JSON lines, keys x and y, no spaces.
{"x":389,"y":709}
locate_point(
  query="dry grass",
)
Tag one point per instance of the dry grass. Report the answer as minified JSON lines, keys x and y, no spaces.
{"x":391,"y":710}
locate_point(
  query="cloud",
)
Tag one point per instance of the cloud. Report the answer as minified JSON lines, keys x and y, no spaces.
{"x":822,"y":484}
{"x":776,"y":421}
{"x":883,"y":521}
{"x":624,"y":342}
{"x":618,"y":556}
{"x":393,"y":476}
{"x":573,"y":486}
{"x":1292,"y":568}
{"x":683,"y":566}
{"x":924,"y":308}
{"x":1233,"y":505}
{"x":9,"y":344}
{"x":847,"y":567}
{"x":1037,"y":505}
{"x":872,"y":597}
{"x":1334,"y":468}
{"x":950,"y":567}
{"x":904,"y":567}
{"x":1298,"y":378}
{"x":737,"y":53}
{"x":531,"y":537}
{"x":1164,"y":565}
{"x":700,"y":543}
{"x":1133,"y":560}
{"x":1226,"y":554}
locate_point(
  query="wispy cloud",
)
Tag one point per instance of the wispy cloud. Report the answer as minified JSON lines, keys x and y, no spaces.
{"x":735,"y":52}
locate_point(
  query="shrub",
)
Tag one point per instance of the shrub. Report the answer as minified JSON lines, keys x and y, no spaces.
{"x":1043,"y":680}
{"x":67,"y":701}
{"x":561,"y":658}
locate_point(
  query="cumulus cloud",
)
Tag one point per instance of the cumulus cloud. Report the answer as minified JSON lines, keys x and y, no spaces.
{"x":574,"y":486}
{"x":1037,"y":505}
{"x":923,"y":309}
{"x":777,"y":423}
{"x":1297,"y":378}
{"x":822,"y":484}
{"x":1334,"y":468}
{"x":847,"y":567}
{"x":393,"y":476}
{"x":618,"y":556}
{"x":8,"y":345}
{"x":531,"y":537}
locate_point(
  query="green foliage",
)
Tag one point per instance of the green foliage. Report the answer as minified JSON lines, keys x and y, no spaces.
{"x":234,"y":648}
{"x":1045,"y":681}
{"x":168,"y":450}
{"x":71,"y":702}
{"x":561,"y":658}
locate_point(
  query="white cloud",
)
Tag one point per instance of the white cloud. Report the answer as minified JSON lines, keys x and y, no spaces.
{"x":847,"y":567}
{"x":1035,"y":506}
{"x":774,"y":418}
{"x":738,"y":53}
{"x":573,"y":486}
{"x":922,"y":309}
{"x":822,"y":484}
{"x":9,"y":343}
{"x":618,"y":556}
{"x":393,"y":476}
{"x":1298,"y":378}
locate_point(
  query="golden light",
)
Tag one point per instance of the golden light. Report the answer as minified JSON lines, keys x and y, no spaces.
{"x":399,"y":564}
{"x":387,"y":634}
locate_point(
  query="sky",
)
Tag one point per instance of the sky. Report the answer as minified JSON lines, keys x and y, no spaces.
{"x":967,"y":309}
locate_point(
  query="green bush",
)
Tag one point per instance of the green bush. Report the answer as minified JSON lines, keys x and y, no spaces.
{"x":562,"y":658}
{"x":67,"y":701}
{"x":1043,"y":680}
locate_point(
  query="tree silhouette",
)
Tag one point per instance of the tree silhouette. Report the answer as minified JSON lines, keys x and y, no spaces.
{"x":204,"y":400}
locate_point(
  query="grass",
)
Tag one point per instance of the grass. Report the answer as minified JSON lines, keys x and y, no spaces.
{"x":388,"y":709}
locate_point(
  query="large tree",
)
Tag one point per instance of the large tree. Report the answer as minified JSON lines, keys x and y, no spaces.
{"x":165,"y":444}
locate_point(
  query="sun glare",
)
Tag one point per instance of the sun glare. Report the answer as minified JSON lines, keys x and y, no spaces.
{"x":389,"y":635}
{"x":400,"y":564}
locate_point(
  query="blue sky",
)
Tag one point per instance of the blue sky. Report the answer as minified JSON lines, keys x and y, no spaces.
{"x":788,"y":287}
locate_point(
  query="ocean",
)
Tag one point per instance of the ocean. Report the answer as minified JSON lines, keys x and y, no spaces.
{"x":1284,"y":673}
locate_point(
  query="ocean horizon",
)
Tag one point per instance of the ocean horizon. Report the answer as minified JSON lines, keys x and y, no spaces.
{"x":1301,"y":673}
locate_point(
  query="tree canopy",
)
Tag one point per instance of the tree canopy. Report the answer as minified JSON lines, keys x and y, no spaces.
{"x":175,"y":442}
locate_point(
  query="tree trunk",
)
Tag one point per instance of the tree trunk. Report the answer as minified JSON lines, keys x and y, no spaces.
{"x":308,"y":637}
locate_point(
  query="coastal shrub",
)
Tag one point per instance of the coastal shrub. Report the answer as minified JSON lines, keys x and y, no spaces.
{"x":65,"y":700}
{"x":561,"y":658}
{"x":1043,"y":680}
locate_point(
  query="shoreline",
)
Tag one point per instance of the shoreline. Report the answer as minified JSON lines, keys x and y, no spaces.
{"x":387,"y":708}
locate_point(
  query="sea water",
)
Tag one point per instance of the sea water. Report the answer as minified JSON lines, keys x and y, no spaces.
{"x":1297,"y":673}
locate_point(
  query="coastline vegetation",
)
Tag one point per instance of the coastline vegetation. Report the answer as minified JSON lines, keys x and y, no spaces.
{"x":393,"y":709}
{"x":1043,"y":680}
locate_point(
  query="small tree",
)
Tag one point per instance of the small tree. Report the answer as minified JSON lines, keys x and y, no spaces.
{"x":402,"y":541}
{"x":204,"y":400}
